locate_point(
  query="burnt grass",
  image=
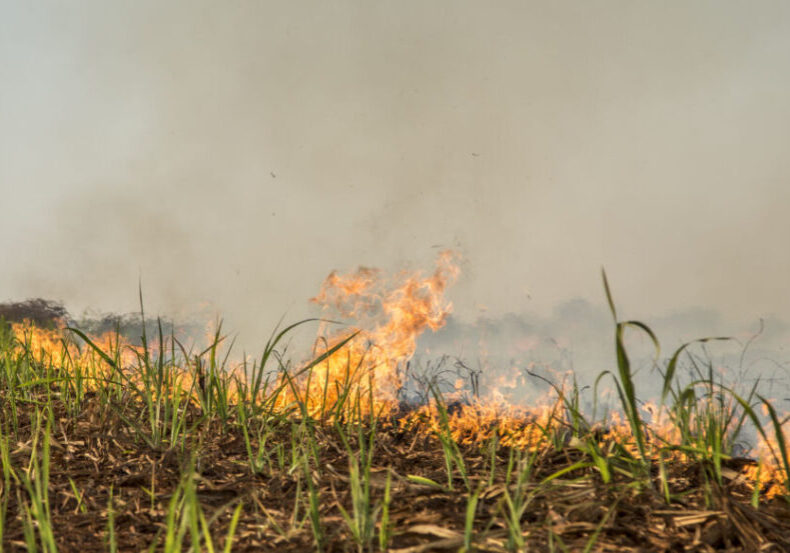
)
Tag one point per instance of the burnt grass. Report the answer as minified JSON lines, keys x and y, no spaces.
{"x":97,"y":450}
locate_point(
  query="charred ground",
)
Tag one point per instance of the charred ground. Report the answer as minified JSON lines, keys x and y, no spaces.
{"x":98,"y":463}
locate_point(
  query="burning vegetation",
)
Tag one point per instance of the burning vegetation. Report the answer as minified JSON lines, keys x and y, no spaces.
{"x":108,"y":443}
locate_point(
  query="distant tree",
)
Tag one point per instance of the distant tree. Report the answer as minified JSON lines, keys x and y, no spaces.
{"x":41,"y":312}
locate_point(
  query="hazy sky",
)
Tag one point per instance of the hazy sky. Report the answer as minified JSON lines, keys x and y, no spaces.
{"x":236,"y":152}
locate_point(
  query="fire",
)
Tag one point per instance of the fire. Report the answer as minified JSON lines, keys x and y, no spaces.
{"x":389,"y":314}
{"x":361,"y":371}
{"x":56,"y":345}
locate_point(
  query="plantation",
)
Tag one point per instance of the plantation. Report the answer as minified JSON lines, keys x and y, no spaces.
{"x":112,"y":446}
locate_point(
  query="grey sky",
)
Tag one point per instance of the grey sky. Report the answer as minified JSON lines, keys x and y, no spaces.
{"x":236,"y":152}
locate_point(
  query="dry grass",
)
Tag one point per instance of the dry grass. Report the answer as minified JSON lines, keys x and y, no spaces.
{"x":118,"y":448}
{"x":96,"y":452}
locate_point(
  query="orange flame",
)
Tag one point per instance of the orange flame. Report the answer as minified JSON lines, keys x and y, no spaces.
{"x":389,"y":315}
{"x":364,"y":375}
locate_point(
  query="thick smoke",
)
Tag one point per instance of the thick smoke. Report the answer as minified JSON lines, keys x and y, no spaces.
{"x":230,"y":157}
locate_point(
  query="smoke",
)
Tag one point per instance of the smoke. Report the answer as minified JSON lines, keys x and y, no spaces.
{"x":516,"y":353}
{"x":229,"y":157}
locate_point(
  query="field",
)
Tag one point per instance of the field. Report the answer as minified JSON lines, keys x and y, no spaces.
{"x":109,"y":445}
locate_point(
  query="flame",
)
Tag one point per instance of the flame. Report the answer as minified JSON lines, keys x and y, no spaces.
{"x":389,"y":314}
{"x":56,"y":345}
{"x":365,"y":372}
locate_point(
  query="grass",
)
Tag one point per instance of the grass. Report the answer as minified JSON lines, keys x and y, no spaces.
{"x":106,"y":446}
